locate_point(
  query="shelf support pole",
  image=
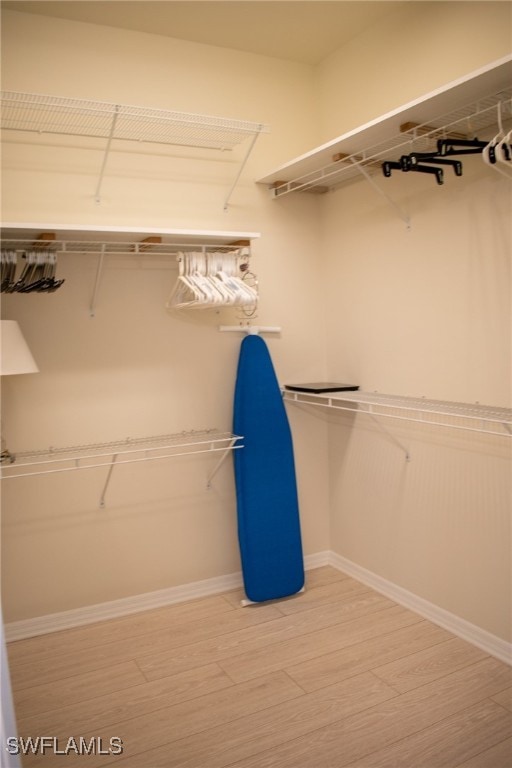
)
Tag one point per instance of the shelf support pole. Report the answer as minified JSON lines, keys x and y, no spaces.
{"x":99,"y":272}
{"x":221,"y":461}
{"x":389,"y":434}
{"x":105,"y":154}
{"x":107,"y":481}
{"x":404,"y":216}
{"x":242,"y":166}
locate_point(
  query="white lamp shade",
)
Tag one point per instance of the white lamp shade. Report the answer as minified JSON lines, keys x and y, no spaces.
{"x":15,"y":356}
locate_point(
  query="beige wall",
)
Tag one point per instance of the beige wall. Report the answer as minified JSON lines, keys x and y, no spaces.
{"x":425,"y":312}
{"x":409,"y":53}
{"x":419,"y":312}
{"x":135,"y":369}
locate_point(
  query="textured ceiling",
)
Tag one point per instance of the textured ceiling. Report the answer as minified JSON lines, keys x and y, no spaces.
{"x":299,"y":30}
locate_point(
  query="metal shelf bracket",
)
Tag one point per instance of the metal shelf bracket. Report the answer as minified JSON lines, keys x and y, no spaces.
{"x":403,"y":215}
{"x":390,"y":435}
{"x":221,"y":461}
{"x":97,"y":195}
{"x":99,"y":272}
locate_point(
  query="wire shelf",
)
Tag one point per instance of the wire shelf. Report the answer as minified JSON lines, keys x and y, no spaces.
{"x":39,"y":113}
{"x":128,"y":451}
{"x":472,"y":417}
{"x":27,"y":238}
{"x":112,"y":247}
{"x":477,"y":119}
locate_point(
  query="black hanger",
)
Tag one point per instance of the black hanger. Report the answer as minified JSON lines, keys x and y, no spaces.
{"x":432,"y":157}
{"x":447,"y":147}
{"x":8,"y":272}
{"x":406,"y":165}
{"x":38,"y":276}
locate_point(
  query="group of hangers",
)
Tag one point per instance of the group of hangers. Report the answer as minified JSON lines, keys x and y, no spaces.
{"x":212,"y":280}
{"x":38,"y":274}
{"x":497,"y":153}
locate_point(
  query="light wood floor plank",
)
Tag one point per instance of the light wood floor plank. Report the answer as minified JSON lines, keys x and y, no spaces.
{"x":169,"y":724}
{"x":320,"y":595}
{"x":111,"y":708}
{"x":79,"y":687}
{"x":258,"y":638}
{"x":37,"y":649}
{"x":428,"y":664}
{"x":354,"y":737}
{"x":338,"y":676}
{"x":504,"y":698}
{"x":102,"y":656}
{"x":307,"y":647}
{"x":333,"y":667}
{"x":499,"y":756}
{"x":459,"y":737}
{"x":247,"y":736}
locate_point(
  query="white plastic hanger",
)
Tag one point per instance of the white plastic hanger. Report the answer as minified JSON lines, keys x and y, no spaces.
{"x":209,"y":281}
{"x":494,"y":149}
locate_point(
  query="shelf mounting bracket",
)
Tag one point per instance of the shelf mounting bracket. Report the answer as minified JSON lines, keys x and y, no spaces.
{"x":99,"y":272}
{"x":221,"y":461}
{"x":389,"y":434}
{"x":403,"y":215}
{"x":107,"y":481}
{"x":97,"y":196}
{"x":242,"y":166}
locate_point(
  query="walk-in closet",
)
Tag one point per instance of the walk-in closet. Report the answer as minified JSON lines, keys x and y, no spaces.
{"x":334,"y":178}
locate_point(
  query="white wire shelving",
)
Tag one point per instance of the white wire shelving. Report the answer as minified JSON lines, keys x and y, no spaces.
{"x":118,"y":240}
{"x":465,"y":108}
{"x":483,"y":419}
{"x":46,"y":114}
{"x":474,"y":121}
{"x":128,"y":451}
{"x":110,"y":241}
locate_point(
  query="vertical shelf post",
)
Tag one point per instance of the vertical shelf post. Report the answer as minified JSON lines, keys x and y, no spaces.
{"x":99,"y":272}
{"x":97,"y":195}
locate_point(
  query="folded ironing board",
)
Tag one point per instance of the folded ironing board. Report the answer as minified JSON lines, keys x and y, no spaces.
{"x":266,"y":490}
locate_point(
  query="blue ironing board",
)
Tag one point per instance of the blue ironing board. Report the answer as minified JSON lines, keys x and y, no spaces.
{"x":266,"y":489}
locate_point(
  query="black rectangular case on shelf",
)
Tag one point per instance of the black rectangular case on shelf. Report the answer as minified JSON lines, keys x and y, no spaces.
{"x":318,"y":388}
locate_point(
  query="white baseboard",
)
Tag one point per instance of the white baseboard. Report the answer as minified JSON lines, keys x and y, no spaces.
{"x":484,"y":640}
{"x":53,"y":622}
{"x":41,"y":625}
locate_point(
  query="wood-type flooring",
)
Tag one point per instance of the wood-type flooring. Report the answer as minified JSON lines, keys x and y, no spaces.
{"x":338,"y":676}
